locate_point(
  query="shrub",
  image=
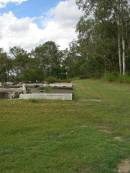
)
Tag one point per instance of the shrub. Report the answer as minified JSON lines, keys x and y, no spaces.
{"x":124,"y":79}
{"x":111,"y":77}
{"x":65,"y":80}
{"x":84,"y":77}
{"x":53,"y":80}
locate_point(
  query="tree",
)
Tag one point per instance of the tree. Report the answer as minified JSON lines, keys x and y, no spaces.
{"x":25,"y":66}
{"x":49,"y":58}
{"x":104,"y":31}
{"x":5,"y":66}
{"x":20,"y":61}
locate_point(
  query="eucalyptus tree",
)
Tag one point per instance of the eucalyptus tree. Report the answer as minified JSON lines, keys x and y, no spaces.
{"x":73,"y":60}
{"x":49,"y":58}
{"x":5,"y":66}
{"x":108,"y":31}
{"x":20,"y":61}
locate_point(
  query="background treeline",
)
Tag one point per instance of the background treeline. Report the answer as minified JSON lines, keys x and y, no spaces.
{"x":44,"y":62}
{"x":102,"y":48}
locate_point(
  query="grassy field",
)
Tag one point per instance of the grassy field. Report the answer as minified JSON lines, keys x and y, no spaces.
{"x":88,"y":135}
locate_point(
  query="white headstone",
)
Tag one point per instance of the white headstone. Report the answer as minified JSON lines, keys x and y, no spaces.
{"x":24,"y":89}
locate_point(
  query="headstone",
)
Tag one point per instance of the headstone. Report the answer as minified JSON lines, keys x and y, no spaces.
{"x":24,"y":89}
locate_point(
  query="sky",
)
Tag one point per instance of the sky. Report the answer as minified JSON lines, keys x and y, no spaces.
{"x":28,"y":23}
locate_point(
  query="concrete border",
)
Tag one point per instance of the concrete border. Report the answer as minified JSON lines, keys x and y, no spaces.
{"x":47,"y":96}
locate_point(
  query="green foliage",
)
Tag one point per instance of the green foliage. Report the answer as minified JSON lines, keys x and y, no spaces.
{"x":49,"y":58}
{"x":43,"y":62}
{"x":5,"y":66}
{"x":51,"y":79}
{"x":111,"y":77}
{"x":99,"y":33}
{"x":48,"y":89}
{"x":124,"y":79}
{"x":32,"y":75}
{"x":54,"y":80}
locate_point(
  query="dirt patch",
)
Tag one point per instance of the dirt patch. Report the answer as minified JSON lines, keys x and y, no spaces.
{"x":94,"y":100}
{"x":84,"y":126}
{"x":91,"y":100}
{"x":85,"y":169}
{"x":118,"y":138}
{"x":104,"y":129}
{"x":124,"y":166}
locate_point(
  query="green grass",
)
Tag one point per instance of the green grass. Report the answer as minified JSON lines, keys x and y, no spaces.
{"x":67,"y":137}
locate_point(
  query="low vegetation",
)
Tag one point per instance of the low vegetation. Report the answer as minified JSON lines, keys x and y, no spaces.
{"x":89,"y":134}
{"x":116,"y":78}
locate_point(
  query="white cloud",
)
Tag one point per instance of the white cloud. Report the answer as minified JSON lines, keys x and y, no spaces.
{"x":59,"y":26}
{"x":3,"y":3}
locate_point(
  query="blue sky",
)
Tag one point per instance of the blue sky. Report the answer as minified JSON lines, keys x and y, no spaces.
{"x":30,"y":8}
{"x":28,"y":23}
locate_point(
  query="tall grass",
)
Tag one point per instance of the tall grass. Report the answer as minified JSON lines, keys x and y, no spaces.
{"x":111,"y":77}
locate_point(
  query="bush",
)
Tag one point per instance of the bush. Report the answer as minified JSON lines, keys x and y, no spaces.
{"x":124,"y":79}
{"x":111,"y":77}
{"x":54,"y":80}
{"x":51,"y":80}
{"x":84,"y":77}
{"x":65,"y":80}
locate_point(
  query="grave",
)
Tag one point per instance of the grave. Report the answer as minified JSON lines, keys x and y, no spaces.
{"x":10,"y":93}
{"x":55,"y":91}
{"x":47,"y":96}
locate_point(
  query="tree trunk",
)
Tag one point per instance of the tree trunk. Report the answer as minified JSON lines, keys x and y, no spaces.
{"x":119,"y":50}
{"x":123,"y":56}
{"x":119,"y":38}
